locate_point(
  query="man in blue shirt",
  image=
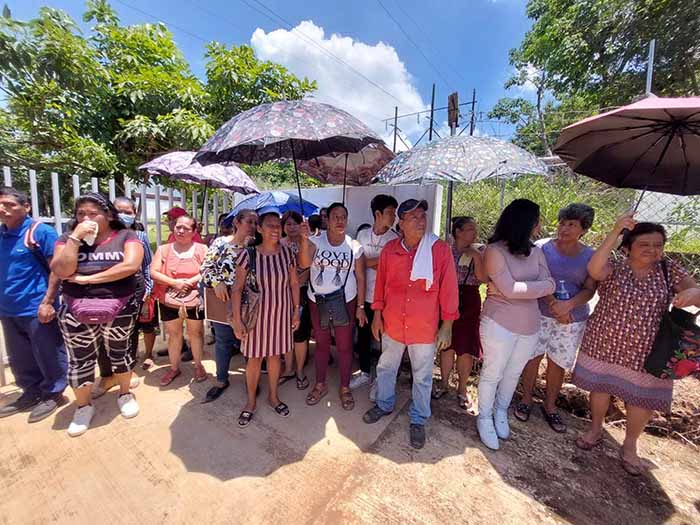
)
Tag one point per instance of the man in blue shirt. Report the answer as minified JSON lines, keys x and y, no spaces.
{"x":28,"y":293}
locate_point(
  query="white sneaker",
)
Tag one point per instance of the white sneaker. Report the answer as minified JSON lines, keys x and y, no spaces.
{"x":135,"y":381}
{"x":359,"y":380}
{"x":373,"y":391}
{"x":128,"y":405}
{"x":487,"y":432}
{"x":500,"y":421}
{"x":81,"y":421}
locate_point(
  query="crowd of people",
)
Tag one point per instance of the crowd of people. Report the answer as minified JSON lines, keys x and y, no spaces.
{"x":81,"y":299}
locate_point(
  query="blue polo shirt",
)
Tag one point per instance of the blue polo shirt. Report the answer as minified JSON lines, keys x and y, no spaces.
{"x":23,"y":279}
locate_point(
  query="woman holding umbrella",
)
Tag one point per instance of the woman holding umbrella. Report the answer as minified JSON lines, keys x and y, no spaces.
{"x":278,"y":310}
{"x":634,"y":293}
{"x":336,"y":283}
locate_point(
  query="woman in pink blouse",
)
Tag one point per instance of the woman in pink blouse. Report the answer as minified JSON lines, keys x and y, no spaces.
{"x":510,"y":320}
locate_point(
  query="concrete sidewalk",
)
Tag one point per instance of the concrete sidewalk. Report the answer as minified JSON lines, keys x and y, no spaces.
{"x":181,"y":461}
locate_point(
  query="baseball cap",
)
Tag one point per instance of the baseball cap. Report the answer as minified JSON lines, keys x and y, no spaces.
{"x":410,"y":205}
{"x":175,"y":213}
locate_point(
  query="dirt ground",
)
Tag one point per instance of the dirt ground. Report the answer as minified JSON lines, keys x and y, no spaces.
{"x":181,"y":461}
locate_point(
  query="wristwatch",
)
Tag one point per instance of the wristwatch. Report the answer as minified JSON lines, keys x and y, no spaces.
{"x":361,"y":306}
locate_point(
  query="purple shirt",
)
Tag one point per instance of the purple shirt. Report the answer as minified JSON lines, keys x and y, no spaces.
{"x":573,"y":271}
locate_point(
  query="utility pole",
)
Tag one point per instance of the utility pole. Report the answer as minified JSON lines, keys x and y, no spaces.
{"x":432,"y":112}
{"x":453,"y":121}
{"x":396,"y":125}
{"x":472,"y":121}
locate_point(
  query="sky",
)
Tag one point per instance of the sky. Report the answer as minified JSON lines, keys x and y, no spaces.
{"x":367,"y":56}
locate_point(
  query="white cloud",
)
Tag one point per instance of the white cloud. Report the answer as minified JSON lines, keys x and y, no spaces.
{"x":339,"y":85}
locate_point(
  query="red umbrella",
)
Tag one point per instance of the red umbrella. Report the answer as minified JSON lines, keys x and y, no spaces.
{"x":653,"y":144}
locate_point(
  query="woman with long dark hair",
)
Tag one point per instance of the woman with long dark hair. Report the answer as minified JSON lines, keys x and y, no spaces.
{"x":98,"y":261}
{"x":510,"y":319}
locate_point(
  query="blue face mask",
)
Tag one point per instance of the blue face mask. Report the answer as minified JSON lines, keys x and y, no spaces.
{"x":128,"y":220}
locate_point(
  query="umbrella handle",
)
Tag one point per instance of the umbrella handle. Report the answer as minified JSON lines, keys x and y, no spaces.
{"x":296,"y":176}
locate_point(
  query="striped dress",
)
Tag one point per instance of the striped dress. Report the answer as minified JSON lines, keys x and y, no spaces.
{"x":272,"y":335}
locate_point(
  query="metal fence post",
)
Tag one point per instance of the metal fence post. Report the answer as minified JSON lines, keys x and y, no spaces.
{"x":56,"y":194}
{"x":144,"y":208}
{"x":112,"y":190}
{"x":7,"y":176}
{"x":127,"y":187}
{"x":76,"y":186}
{"x":95,"y":184}
{"x":34,"y":195}
{"x":159,"y":234}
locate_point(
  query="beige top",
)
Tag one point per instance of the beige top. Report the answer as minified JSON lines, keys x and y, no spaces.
{"x":515,"y":284}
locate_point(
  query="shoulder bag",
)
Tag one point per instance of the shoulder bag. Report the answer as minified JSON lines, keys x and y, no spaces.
{"x":250,"y":298}
{"x":676,"y":350}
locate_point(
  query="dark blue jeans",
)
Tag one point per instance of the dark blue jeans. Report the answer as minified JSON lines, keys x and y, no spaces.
{"x":37,"y":357}
{"x":225,"y":346}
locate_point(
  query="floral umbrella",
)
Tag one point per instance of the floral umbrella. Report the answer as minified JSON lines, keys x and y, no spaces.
{"x":169,"y":163}
{"x":293,"y":129}
{"x":355,"y":169}
{"x":461,"y":159}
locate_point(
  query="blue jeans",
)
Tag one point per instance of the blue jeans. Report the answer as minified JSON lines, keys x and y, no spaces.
{"x":225,"y":345}
{"x":37,"y":356}
{"x":422,"y":357}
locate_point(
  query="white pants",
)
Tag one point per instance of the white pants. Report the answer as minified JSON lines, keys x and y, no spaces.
{"x":505,"y":356}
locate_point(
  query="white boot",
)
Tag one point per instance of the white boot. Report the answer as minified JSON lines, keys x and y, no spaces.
{"x":500,"y":421}
{"x":487,"y":432}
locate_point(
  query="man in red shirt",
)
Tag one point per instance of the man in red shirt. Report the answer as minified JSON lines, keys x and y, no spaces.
{"x":173,"y":215}
{"x":416,"y":288}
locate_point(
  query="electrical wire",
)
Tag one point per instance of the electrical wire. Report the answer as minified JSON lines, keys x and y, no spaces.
{"x":410,"y":39}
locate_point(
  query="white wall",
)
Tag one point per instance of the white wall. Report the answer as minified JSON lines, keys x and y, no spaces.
{"x":358,"y":198}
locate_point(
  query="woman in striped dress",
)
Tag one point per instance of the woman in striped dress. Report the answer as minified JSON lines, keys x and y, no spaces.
{"x":278,"y":311}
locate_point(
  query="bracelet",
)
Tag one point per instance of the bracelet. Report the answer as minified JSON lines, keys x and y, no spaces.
{"x":74,"y":238}
{"x":361,"y":306}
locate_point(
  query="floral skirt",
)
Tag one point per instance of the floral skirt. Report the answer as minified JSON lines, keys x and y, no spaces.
{"x":636,"y":388}
{"x":560,"y":341}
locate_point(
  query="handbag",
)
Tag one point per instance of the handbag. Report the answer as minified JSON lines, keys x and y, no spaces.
{"x":675,"y":353}
{"x":148,"y":309}
{"x":250,"y":297}
{"x":331,"y":306}
{"x":91,"y":310}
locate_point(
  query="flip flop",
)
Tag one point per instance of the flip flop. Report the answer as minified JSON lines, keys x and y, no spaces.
{"x":587,"y":445}
{"x":630,"y":468}
{"x":284,"y":379}
{"x":346,"y":400}
{"x":147,"y":363}
{"x":522,"y":412}
{"x":245,"y":418}
{"x":438,"y":392}
{"x":303,"y":383}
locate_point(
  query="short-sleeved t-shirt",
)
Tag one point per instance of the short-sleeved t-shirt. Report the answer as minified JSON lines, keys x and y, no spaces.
{"x":573,"y":270}
{"x":331,"y":265}
{"x":98,"y":258}
{"x":372,"y":245}
{"x":23,"y":277}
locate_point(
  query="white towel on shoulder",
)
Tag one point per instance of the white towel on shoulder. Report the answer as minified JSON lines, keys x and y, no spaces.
{"x":423,"y":261}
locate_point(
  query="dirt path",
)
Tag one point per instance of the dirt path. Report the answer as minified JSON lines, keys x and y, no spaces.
{"x":183,"y":462}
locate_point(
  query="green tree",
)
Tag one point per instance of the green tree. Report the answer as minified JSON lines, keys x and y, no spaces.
{"x":103,"y":103}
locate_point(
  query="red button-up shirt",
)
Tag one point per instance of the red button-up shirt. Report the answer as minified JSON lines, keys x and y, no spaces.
{"x":411,"y":313}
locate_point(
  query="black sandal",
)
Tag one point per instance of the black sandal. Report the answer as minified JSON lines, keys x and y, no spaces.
{"x":284,"y":379}
{"x":282,"y":410}
{"x":554,"y":420}
{"x":245,"y":418}
{"x":522,"y":412}
{"x":438,"y":392}
{"x":303,"y":383}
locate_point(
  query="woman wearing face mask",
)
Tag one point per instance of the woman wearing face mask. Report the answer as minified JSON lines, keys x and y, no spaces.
{"x":466,"y":346}
{"x":98,"y":261}
{"x":127,"y":215}
{"x":218,"y":272}
{"x":634,"y":293}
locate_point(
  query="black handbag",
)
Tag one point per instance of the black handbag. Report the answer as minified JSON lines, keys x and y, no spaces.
{"x":331,"y":306}
{"x":676,"y":350}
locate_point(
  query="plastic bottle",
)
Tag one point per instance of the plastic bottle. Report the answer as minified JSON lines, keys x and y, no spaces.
{"x":561,"y":293}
